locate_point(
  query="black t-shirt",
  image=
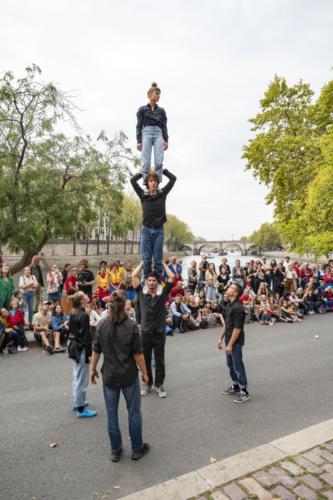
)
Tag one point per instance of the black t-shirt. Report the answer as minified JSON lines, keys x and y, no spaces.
{"x":85,"y":275}
{"x":234,"y":318}
{"x":153,"y":310}
{"x":153,"y":207}
{"x":118,"y":342}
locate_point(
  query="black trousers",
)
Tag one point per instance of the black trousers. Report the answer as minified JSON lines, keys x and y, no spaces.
{"x":154,"y":341}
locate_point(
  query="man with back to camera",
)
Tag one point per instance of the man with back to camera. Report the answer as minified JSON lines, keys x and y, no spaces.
{"x":233,"y":333}
{"x":152,"y":298}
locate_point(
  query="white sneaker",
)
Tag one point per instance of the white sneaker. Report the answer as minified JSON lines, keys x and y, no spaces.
{"x":24,"y":349}
{"x":19,"y":348}
{"x":145,"y":390}
{"x":162,"y":393}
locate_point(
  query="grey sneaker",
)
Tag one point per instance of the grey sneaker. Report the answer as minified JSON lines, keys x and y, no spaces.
{"x":231,"y":391}
{"x":242,"y":397}
{"x":162,"y":393}
{"x":145,"y":390}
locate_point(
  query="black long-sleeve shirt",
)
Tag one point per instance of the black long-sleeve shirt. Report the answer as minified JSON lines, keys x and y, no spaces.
{"x":148,"y":116}
{"x":153,"y":206}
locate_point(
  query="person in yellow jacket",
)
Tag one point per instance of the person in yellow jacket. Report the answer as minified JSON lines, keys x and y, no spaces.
{"x":116,"y":277}
{"x":102,"y":281}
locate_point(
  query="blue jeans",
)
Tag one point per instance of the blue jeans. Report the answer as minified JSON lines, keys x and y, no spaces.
{"x":80,"y":380}
{"x":133,"y":402}
{"x":152,"y":138}
{"x":236,"y":365}
{"x":29,"y":300}
{"x":152,"y":247}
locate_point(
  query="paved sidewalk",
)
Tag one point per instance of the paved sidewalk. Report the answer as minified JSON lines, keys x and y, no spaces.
{"x":306,"y":475}
{"x":296,"y":466}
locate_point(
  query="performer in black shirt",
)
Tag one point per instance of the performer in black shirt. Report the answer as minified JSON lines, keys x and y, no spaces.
{"x":233,"y":333}
{"x":154,"y":216}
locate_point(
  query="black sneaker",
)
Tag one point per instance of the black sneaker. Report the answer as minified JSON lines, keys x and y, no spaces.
{"x":137,"y":454}
{"x":231,"y":391}
{"x":242,"y":397}
{"x":49,"y":349}
{"x":115,"y":457}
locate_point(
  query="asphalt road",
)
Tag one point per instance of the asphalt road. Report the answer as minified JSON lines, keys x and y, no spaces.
{"x":290,"y":375}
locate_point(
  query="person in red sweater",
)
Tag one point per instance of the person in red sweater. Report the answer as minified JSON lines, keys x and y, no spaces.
{"x":70,"y":284}
{"x":177,"y":290}
{"x":17,"y":322}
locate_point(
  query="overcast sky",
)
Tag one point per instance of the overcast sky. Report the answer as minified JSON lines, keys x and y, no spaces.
{"x":213,"y":61}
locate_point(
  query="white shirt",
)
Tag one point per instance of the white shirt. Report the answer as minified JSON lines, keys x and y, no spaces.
{"x":27,"y":280}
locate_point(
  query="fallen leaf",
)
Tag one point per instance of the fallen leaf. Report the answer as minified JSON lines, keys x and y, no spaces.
{"x":116,"y":487}
{"x":212,"y":460}
{"x":52,"y":445}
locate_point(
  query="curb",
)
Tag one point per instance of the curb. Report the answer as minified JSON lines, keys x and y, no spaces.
{"x":207,"y":478}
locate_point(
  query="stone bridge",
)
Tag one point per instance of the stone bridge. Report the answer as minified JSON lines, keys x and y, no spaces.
{"x":220,"y":247}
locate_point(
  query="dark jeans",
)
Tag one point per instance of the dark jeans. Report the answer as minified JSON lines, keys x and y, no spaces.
{"x":133,"y":402}
{"x":180,"y":323}
{"x":152,"y":247}
{"x":154,"y":341}
{"x":22,"y":339}
{"x":9,"y":338}
{"x":236,"y":365}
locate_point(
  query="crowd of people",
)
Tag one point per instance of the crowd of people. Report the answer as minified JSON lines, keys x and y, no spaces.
{"x":283,"y":291}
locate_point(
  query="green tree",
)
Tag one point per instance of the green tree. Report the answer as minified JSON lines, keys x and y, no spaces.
{"x":177,"y":233}
{"x":267,"y":237}
{"x":287,"y":153}
{"x":51,"y":185}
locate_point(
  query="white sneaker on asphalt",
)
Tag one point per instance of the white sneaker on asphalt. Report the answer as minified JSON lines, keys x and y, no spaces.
{"x":145,"y":390}
{"x":162,"y":393}
{"x":23,"y":349}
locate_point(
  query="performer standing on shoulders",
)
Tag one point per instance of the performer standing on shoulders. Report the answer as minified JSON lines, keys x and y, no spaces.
{"x":152,"y":132}
{"x":154,"y":216}
{"x":233,"y":332}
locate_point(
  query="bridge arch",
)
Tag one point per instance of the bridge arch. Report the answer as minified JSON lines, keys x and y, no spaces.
{"x":210,"y":247}
{"x":232,"y":245}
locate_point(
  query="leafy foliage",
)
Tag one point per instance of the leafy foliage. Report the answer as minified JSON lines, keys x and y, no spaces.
{"x":290,"y":154}
{"x":267,"y":237}
{"x":177,"y":233}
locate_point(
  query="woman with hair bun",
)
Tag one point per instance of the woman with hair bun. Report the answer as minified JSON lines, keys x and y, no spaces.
{"x":152,"y":132}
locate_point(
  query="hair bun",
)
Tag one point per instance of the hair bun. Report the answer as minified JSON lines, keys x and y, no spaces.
{"x":154,"y":84}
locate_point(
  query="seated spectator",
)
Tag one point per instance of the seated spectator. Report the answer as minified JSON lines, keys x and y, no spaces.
{"x":116,"y":277}
{"x":18,"y":296}
{"x":8,"y":336}
{"x":102,"y":282}
{"x":59,"y":324}
{"x":42,"y":327}
{"x":168,"y":320}
{"x":130,"y":292}
{"x":328,"y":298}
{"x":94,"y":317}
{"x":130,"y":311}
{"x":180,"y":314}
{"x":16,"y":321}
{"x":85,"y":279}
{"x":187,"y":296}
{"x":177,"y":290}
{"x":54,"y":281}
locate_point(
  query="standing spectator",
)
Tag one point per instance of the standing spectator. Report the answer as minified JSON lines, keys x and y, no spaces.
{"x":152,"y":299}
{"x":233,"y":333}
{"x":16,"y":321}
{"x":64,"y":272}
{"x":211,"y":281}
{"x":1,"y":258}
{"x":94,"y":318}
{"x":54,"y":280}
{"x":176,"y":269}
{"x":203,"y":266}
{"x":85,"y":279}
{"x":225,"y":263}
{"x":71,"y":285}
{"x":192,"y":274}
{"x":37,"y":272}
{"x":290,"y":279}
{"x":118,"y":338}
{"x":238,"y":273}
{"x":79,"y":350}
{"x":6,"y":287}
{"x":223,"y":279}
{"x":28,"y":285}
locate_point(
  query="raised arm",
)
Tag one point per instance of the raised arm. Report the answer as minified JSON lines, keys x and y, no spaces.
{"x":169,"y":273}
{"x":136,"y":275}
{"x":172,"y":179}
{"x":134,"y":181}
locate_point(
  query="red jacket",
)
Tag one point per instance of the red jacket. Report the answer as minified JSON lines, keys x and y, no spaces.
{"x":17,"y":318}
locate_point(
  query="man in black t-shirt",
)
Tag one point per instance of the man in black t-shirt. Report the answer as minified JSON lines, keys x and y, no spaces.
{"x":152,"y":298}
{"x":85,"y":278}
{"x":233,"y":333}
{"x":153,"y":219}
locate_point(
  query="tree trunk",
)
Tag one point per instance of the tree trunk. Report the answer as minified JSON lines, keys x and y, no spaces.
{"x":87,"y":244}
{"x":132,"y":247}
{"x":108,"y":241}
{"x":74,"y":246}
{"x":25,"y":260}
{"x":125,"y":242}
